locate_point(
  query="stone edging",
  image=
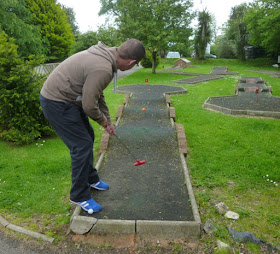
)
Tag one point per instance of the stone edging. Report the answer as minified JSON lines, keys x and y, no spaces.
{"x":182,"y":144}
{"x":21,"y":230}
{"x":235,"y":112}
{"x":174,"y":229}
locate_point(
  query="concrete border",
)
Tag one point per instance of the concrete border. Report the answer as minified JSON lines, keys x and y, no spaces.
{"x":190,"y":190}
{"x":182,"y":143}
{"x":235,"y":112}
{"x":171,"y":229}
{"x":114,"y":227}
{"x":24,"y":231}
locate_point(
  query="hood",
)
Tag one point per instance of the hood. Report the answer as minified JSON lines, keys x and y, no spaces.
{"x":109,"y":53}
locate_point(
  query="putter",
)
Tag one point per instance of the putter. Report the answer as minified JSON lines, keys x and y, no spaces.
{"x":138,"y":162}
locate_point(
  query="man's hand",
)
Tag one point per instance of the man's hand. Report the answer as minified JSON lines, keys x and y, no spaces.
{"x":110,"y":128}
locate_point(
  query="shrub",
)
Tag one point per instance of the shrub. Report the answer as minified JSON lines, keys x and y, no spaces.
{"x":21,"y":119}
{"x":84,"y":41}
{"x":225,"y":48}
{"x":148,"y":61}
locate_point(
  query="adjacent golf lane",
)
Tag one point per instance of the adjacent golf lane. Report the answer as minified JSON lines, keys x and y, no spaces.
{"x":155,"y":190}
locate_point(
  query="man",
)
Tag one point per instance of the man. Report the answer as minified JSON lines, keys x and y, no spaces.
{"x":74,"y":91}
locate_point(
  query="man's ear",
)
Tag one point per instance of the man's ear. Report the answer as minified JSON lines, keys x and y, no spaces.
{"x":131,"y":61}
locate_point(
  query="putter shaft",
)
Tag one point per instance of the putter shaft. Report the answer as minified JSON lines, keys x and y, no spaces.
{"x":125,"y":147}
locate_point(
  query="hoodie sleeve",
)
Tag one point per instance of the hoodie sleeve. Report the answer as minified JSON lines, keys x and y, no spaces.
{"x":93,"y":101}
{"x":103,"y":107}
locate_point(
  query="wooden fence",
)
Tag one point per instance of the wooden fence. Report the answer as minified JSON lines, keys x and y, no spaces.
{"x":46,"y":69}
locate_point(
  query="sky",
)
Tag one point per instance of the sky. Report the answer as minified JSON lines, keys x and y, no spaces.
{"x":87,"y":11}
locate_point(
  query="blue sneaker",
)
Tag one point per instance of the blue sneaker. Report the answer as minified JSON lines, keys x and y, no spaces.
{"x":89,"y":206}
{"x":100,"y":185}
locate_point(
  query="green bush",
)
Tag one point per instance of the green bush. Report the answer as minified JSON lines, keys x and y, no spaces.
{"x":84,"y":41}
{"x":21,"y":119}
{"x":148,"y":61}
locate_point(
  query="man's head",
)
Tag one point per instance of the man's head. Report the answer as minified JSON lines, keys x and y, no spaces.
{"x":130,"y":53}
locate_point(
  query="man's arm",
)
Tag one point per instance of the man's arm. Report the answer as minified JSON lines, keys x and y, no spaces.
{"x":110,"y":128}
{"x":93,"y":88}
{"x":103,"y":107}
{"x":93,"y":100}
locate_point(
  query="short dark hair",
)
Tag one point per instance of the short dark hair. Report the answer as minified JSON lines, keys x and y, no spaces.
{"x":132,"y":49}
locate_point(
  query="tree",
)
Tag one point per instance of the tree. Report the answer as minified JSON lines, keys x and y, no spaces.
{"x":147,"y":62}
{"x":155,"y":22}
{"x":16,"y":22}
{"x":203,"y":33}
{"x":55,"y":29}
{"x":71,"y":19}
{"x":225,"y":48}
{"x":21,"y":119}
{"x":263,"y":24}
{"x":237,"y":29}
{"x":108,"y":35}
{"x":84,"y":41}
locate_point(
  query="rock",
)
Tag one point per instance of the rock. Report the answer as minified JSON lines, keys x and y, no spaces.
{"x":232,"y":215}
{"x":221,"y":207}
{"x":209,"y":227}
{"x":243,"y":236}
{"x":222,"y":245}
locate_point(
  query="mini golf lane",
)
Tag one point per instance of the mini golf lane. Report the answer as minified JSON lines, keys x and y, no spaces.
{"x":155,"y":191}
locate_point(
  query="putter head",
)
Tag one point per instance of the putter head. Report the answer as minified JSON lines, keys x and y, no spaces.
{"x":138,"y":163}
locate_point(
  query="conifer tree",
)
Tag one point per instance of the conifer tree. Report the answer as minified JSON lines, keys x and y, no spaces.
{"x":55,"y":29}
{"x":21,"y":119}
{"x":15,"y":20}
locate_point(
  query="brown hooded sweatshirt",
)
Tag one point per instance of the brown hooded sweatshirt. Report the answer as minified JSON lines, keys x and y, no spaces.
{"x":81,"y":79}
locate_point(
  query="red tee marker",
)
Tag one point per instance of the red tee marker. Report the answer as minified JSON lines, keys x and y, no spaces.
{"x":257,"y":92}
{"x":147,"y":81}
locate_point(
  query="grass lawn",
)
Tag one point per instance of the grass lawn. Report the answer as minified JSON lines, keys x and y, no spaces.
{"x":228,"y":158}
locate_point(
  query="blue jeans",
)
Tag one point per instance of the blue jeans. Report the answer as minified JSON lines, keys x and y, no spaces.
{"x":72,"y":126}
